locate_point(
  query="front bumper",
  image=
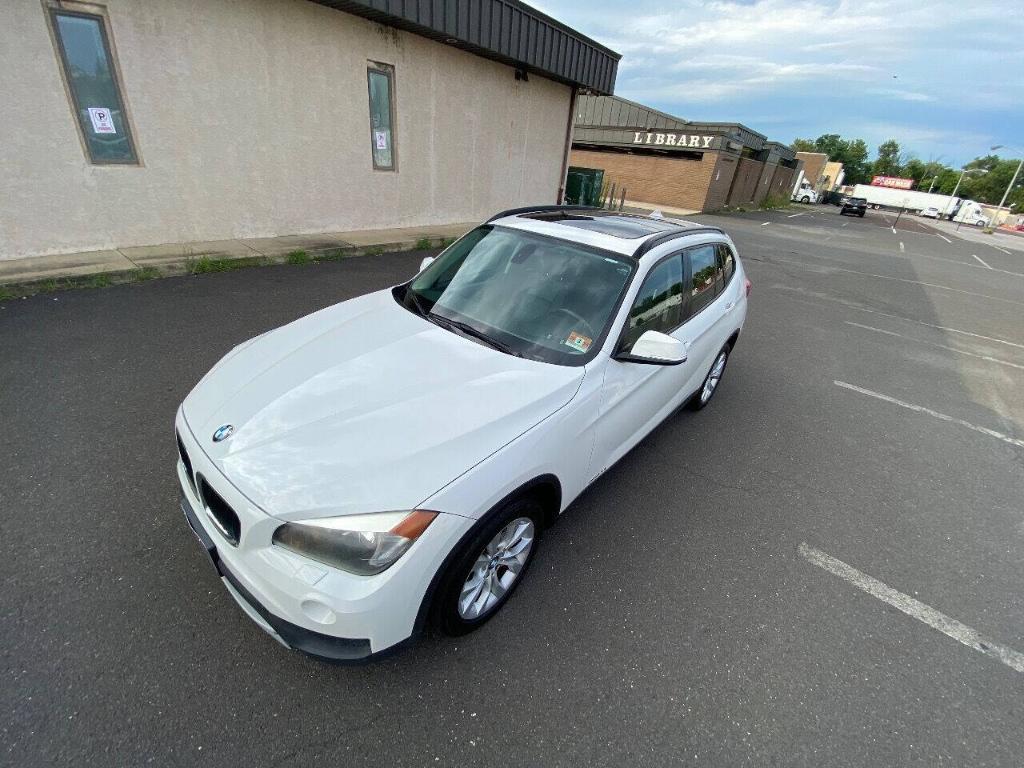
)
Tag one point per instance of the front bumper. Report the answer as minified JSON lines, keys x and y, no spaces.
{"x":288,"y":634}
{"x":304,"y":604}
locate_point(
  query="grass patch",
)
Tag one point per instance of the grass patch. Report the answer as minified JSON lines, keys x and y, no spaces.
{"x":7,"y":293}
{"x":333,"y":254}
{"x":374,"y":251}
{"x":988,"y":231}
{"x":297,"y":257}
{"x":206,"y":264}
{"x":102,"y":280}
{"x":424,"y":244}
{"x":143,"y":273}
{"x":774,"y":202}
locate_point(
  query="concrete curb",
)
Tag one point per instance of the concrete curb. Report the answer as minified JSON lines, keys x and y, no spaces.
{"x":78,"y":276}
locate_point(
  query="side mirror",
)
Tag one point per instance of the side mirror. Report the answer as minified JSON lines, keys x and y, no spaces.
{"x":427,"y":261}
{"x":655,"y":348}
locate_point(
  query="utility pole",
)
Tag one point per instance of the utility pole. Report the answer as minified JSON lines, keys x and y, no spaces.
{"x":963,"y":171}
{"x":1009,"y":186}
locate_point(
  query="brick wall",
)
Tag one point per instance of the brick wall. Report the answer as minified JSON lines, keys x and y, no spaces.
{"x":814,"y":165}
{"x":744,"y":182}
{"x":764,"y":182}
{"x":675,"y":182}
{"x":721,"y":182}
{"x":782,"y":181}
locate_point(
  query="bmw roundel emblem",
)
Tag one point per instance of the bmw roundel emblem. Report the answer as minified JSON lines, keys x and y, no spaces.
{"x":223,"y":433}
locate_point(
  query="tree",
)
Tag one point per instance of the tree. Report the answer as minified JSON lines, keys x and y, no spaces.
{"x":888,"y":162}
{"x":852,"y":153}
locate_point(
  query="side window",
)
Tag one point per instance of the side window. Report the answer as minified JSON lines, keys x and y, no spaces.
{"x":657,"y":306}
{"x":381,"y":83}
{"x":89,"y":72}
{"x":705,"y":277}
{"x":727,"y":259}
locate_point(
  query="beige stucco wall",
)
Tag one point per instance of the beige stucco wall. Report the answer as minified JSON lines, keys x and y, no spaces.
{"x":251,"y":120}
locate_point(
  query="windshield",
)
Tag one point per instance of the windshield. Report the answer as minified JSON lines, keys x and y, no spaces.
{"x":525,"y":294}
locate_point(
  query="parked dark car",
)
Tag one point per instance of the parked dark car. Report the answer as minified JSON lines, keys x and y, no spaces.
{"x":834,"y":198}
{"x":855,"y":205}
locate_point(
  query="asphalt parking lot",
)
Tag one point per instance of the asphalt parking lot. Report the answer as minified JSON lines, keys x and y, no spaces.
{"x":717,"y":598}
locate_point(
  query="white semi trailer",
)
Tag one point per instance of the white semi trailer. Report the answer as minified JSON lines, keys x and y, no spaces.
{"x":954,"y":208}
{"x":906,"y":199}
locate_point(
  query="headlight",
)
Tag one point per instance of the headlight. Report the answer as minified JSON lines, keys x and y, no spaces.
{"x":360,"y":544}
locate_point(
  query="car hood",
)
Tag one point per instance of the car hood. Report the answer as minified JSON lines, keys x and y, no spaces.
{"x":365,"y":407}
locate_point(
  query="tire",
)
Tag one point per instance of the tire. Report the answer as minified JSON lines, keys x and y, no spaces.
{"x":455,"y":611}
{"x":703,"y":395}
{"x":805,"y":199}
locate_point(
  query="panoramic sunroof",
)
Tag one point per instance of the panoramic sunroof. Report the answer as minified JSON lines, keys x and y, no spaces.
{"x":625,"y":227}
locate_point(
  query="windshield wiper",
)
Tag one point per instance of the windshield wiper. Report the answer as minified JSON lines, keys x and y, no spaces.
{"x":469,"y":330}
{"x":417,"y":302}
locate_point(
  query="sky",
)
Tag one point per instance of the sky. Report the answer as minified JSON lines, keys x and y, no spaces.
{"x":945,"y":79}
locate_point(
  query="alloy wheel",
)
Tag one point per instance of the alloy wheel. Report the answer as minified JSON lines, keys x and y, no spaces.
{"x":496,"y":569}
{"x":713,"y":378}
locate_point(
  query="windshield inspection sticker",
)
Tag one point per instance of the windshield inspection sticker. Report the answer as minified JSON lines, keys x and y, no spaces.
{"x":578,"y":341}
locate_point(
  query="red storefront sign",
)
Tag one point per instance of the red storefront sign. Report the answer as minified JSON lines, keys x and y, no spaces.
{"x":892,"y":182}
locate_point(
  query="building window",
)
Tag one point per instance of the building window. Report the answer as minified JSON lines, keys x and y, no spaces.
{"x":381,"y":82}
{"x":89,"y":72}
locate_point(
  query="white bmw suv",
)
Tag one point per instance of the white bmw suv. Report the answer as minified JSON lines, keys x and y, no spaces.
{"x":390,"y":462}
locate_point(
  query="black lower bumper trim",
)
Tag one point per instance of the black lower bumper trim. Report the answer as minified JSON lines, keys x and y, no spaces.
{"x":299,"y":638}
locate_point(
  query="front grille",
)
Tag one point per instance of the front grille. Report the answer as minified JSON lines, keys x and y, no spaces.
{"x":187,"y":462}
{"x":220,"y":512}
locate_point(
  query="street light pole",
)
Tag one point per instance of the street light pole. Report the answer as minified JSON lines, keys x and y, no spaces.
{"x":963,"y":171}
{"x":1013,"y":181}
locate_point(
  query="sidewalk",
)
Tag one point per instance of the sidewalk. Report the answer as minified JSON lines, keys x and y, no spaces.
{"x":1001,"y":238}
{"x":178,"y":258}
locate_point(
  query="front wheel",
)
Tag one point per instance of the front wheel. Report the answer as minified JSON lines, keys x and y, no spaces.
{"x":805,"y":199}
{"x":489,"y":567}
{"x":707,"y":390}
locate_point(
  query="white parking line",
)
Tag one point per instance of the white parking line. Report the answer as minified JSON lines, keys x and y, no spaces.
{"x":980,"y":261}
{"x":765,"y":223}
{"x":1000,"y":249}
{"x":986,"y":358}
{"x":794,"y":215}
{"x":850,"y":305}
{"x":902,"y":247}
{"x":913,"y":608}
{"x":897,"y":279}
{"x":944,"y":238}
{"x":934,"y":414}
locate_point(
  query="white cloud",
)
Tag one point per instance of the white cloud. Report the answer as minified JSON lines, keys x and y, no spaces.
{"x":827,"y":64}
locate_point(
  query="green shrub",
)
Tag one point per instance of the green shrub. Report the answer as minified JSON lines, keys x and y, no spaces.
{"x":424,"y":244}
{"x":297,"y":257}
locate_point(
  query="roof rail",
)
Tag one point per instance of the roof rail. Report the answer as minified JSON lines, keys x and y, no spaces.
{"x":653,"y":242}
{"x":541,"y":209}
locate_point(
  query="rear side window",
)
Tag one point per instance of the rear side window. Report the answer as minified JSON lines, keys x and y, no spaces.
{"x":727,"y":261}
{"x":705,"y":277}
{"x":658,"y":305}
